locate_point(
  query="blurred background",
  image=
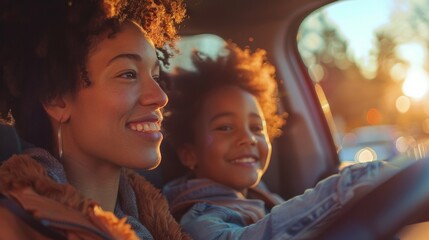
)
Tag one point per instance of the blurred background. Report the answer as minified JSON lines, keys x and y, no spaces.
{"x":369,"y":63}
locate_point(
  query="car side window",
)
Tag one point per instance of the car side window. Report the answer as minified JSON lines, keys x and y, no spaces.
{"x":369,"y":64}
{"x":209,"y":45}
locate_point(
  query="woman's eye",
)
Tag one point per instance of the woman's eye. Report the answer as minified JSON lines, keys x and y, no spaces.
{"x":128,"y":75}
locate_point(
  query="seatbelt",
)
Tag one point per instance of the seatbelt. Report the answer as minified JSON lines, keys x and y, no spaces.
{"x":34,"y":223}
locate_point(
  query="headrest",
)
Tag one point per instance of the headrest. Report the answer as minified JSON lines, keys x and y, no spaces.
{"x":9,"y":142}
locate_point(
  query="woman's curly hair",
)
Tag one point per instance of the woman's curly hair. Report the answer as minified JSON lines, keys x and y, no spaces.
{"x":45,"y":43}
{"x":242,"y":68}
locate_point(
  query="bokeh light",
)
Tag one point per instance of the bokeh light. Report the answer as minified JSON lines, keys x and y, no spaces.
{"x":316,"y":72}
{"x":401,"y":144}
{"x":403,"y":104}
{"x":365,"y":155}
{"x":373,"y":116}
{"x":398,"y":72}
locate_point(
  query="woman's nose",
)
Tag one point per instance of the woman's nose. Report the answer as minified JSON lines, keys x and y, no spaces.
{"x":152,"y":94}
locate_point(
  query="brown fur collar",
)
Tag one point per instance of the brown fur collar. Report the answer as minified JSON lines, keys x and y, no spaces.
{"x":22,"y":171}
{"x":153,"y":208}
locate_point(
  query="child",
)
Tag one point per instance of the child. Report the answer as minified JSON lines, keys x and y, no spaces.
{"x":220,"y":121}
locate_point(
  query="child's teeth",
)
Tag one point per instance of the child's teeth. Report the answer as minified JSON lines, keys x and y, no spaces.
{"x":139,"y":127}
{"x":245,"y":160}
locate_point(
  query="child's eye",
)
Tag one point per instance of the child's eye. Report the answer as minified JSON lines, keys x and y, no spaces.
{"x":224,"y":128}
{"x":257,"y":128}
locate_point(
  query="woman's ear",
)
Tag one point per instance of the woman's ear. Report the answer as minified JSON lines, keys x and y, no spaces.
{"x":58,"y":108}
{"x":187,"y":156}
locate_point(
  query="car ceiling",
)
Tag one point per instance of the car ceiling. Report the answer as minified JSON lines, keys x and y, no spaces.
{"x":210,"y":15}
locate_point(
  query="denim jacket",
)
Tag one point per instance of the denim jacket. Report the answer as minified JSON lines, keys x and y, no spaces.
{"x":214,"y":211}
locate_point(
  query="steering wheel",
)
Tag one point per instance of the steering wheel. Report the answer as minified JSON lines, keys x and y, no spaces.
{"x":400,"y":200}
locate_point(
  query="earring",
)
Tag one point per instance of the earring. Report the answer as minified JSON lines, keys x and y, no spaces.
{"x":9,"y":118}
{"x":60,"y":141}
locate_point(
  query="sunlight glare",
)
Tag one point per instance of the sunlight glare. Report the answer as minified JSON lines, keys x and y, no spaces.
{"x":416,"y":83}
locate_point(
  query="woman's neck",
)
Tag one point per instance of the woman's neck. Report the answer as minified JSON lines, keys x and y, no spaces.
{"x":99,"y":182}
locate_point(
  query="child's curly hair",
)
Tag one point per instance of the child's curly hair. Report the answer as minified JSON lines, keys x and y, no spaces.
{"x":45,"y":43}
{"x":242,"y":68}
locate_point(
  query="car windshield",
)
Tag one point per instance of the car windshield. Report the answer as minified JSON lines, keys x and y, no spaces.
{"x":368,"y":62}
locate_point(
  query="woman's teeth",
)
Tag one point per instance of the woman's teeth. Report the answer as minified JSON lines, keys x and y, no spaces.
{"x":145,"y":127}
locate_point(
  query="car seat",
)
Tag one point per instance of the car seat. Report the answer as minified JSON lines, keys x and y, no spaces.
{"x":9,"y":142}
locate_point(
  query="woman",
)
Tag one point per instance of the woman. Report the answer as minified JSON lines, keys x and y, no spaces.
{"x":221,"y":120}
{"x":81,"y":79}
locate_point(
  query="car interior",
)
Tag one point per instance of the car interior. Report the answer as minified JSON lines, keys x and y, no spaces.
{"x":240,"y":21}
{"x":273,"y":26}
{"x":307,"y":151}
